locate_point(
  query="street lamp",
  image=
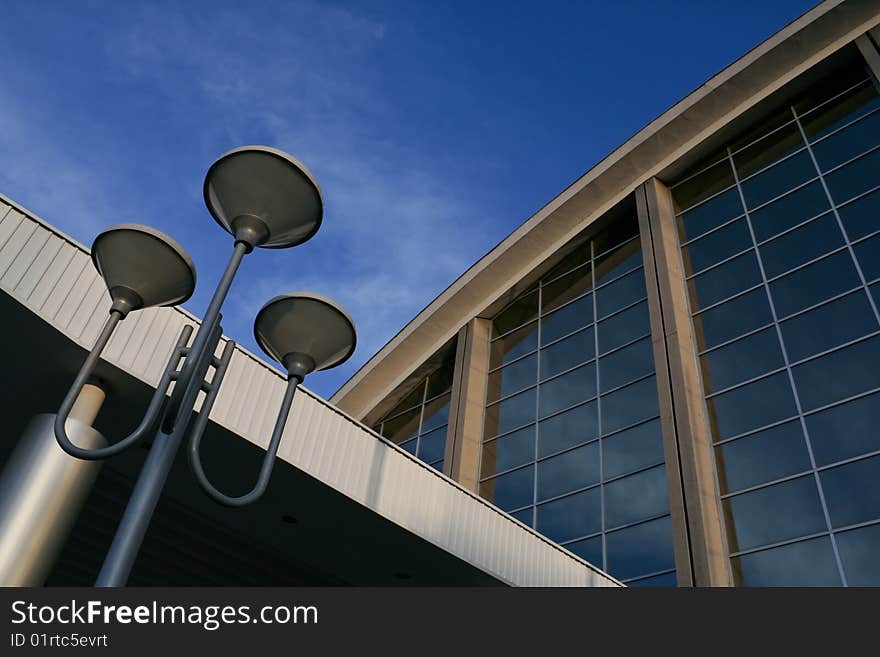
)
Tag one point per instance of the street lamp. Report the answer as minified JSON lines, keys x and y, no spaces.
{"x":264,"y":198}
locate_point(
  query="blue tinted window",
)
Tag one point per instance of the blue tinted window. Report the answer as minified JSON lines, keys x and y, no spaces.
{"x":571,"y":517}
{"x":623,"y":327}
{"x":868,"y":255}
{"x":636,"y":497}
{"x":808,"y":563}
{"x":567,"y":390}
{"x":628,"y":405}
{"x":667,"y":580}
{"x":772,"y":182}
{"x":725,"y":280}
{"x":717,"y":246}
{"x":774,"y":514}
{"x":710,"y":214}
{"x":733,"y":318}
{"x":752,"y":406}
{"x":589,"y":549}
{"x":852,"y":492}
{"x":838,"y":375}
{"x":790,"y":210}
{"x":509,"y":451}
{"x":567,"y":353}
{"x":569,"y":471}
{"x":621,"y":293}
{"x":626,"y":364}
{"x":854,"y":178}
{"x":814,"y":283}
{"x":510,"y":414}
{"x":642,"y":549}
{"x":828,"y":326}
{"x":762,"y":457}
{"x":512,"y":346}
{"x":511,"y":490}
{"x":567,"y":319}
{"x":862,"y":216}
{"x":846,"y":430}
{"x":568,"y":429}
{"x":848,"y":143}
{"x":512,"y":378}
{"x":858,"y":551}
{"x":801,"y":245}
{"x":742,"y":360}
{"x":432,"y":445}
{"x":633,"y":448}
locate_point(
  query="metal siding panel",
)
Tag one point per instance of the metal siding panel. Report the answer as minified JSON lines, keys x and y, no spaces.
{"x":15,"y":244}
{"x":74,"y":298}
{"x":63,"y":285}
{"x":11,"y":221}
{"x":144,"y":361}
{"x":22,"y":262}
{"x":41,"y":264}
{"x":93,"y":302}
{"x":47,"y":283}
{"x":150,"y":318}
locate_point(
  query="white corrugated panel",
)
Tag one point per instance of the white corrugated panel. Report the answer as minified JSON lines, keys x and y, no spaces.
{"x":52,"y":275}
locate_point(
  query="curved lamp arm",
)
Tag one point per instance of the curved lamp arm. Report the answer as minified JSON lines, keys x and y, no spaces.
{"x":83,"y":376}
{"x":195,"y":460}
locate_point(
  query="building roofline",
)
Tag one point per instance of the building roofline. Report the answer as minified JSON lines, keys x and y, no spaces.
{"x":796,"y":47}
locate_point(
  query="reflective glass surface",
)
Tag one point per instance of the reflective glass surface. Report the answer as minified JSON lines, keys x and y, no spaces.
{"x":762,"y":457}
{"x":858,"y":551}
{"x":798,"y":394}
{"x":808,"y":563}
{"x":641,"y":549}
{"x":577,"y":456}
{"x":775,"y":513}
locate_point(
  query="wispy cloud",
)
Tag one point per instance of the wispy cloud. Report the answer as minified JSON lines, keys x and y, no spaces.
{"x":394,"y":235}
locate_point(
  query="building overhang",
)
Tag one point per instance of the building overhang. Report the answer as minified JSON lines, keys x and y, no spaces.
{"x":344,"y":505}
{"x":672,"y":140}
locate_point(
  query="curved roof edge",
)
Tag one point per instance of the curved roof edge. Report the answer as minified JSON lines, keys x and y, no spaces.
{"x":792,"y":50}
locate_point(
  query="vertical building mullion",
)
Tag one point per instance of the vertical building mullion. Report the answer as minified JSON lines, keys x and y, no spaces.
{"x":786,"y":360}
{"x":470,"y":418}
{"x":421,"y":416}
{"x":699,"y":545}
{"x":598,"y":404}
{"x":537,"y":405}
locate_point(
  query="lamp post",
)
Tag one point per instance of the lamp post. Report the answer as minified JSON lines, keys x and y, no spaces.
{"x":263,"y":198}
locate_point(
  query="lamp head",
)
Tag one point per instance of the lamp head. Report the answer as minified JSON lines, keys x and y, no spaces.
{"x":305,"y":332}
{"x":142,"y":267}
{"x":264,"y":197}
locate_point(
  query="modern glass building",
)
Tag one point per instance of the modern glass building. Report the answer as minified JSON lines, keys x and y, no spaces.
{"x":670,"y":374}
{"x":673,"y":369}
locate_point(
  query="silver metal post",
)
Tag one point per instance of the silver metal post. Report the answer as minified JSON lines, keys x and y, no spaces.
{"x":43,"y":489}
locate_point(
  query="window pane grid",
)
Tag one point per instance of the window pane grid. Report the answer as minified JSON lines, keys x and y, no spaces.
{"x":427,"y":425}
{"x":569,"y":500}
{"x":865,"y":82}
{"x":815,"y":353}
{"x":798,"y":475}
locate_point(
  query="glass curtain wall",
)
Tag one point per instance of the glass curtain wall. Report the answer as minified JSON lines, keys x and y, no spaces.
{"x":780,"y":239}
{"x":418,"y":423}
{"x":572,"y":442}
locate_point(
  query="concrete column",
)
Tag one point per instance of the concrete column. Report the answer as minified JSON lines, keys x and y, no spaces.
{"x":42,"y":490}
{"x":464,"y":448}
{"x":700,"y":549}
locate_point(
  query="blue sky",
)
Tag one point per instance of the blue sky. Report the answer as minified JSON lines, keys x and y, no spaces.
{"x":433,"y":128}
